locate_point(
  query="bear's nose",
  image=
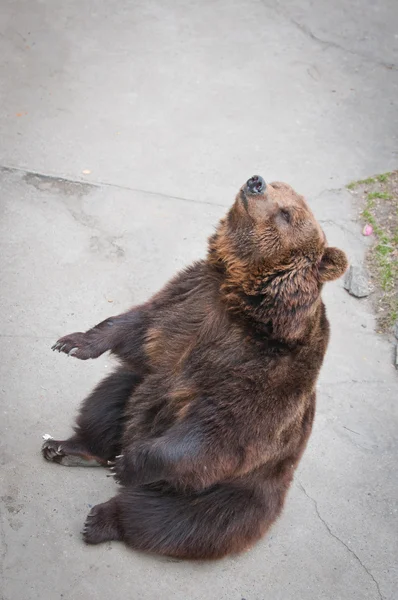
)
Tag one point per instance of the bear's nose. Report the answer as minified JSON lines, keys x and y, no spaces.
{"x":255,"y":185}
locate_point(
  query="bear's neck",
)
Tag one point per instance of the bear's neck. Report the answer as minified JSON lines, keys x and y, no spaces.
{"x":284,"y":305}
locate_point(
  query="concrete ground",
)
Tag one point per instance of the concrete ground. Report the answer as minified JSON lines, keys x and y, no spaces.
{"x":125,"y":130}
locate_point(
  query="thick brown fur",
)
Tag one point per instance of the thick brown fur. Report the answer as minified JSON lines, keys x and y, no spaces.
{"x":210,"y":411}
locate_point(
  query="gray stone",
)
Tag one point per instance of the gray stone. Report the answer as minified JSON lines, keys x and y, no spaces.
{"x":356,"y":282}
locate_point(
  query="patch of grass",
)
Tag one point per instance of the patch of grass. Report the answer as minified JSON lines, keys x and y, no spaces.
{"x":381,"y":195}
{"x":354,"y":184}
{"x":383,"y":177}
{"x":379,"y":201}
{"x":369,"y":180}
{"x":385,"y":244}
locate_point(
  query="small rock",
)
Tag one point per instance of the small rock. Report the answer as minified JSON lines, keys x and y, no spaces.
{"x":396,"y":330}
{"x":356,"y":282}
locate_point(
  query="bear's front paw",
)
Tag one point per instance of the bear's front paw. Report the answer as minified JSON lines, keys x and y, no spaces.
{"x":76,"y":344}
{"x":119,"y":469}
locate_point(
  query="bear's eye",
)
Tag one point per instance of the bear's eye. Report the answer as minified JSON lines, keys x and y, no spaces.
{"x":285,"y":214}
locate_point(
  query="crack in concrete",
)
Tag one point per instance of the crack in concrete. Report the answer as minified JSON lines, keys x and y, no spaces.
{"x":57,"y":185}
{"x":307,"y":31}
{"x":352,"y":431}
{"x":329,"y":44}
{"x":348,"y":381}
{"x":337,"y":428}
{"x":98,"y":184}
{"x":331,"y":191}
{"x":162,"y":195}
{"x":333,"y":535}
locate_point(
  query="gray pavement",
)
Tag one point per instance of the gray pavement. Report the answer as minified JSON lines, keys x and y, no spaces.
{"x":170,"y":106}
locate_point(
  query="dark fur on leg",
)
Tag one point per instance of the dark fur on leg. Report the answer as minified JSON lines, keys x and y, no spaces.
{"x":159,"y":519}
{"x":99,"y":425}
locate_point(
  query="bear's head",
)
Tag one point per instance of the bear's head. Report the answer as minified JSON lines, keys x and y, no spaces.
{"x":274,"y":253}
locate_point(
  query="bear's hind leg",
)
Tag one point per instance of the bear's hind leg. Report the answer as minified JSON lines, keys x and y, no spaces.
{"x":156,"y":518}
{"x":102,"y":523}
{"x":99,"y":425}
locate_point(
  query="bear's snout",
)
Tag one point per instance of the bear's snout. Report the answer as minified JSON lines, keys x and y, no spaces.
{"x":255,"y":185}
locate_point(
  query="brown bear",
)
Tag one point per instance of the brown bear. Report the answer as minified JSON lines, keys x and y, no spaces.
{"x":209,"y":412}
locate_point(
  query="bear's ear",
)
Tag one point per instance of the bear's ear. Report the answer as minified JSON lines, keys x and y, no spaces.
{"x":333,"y":264}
